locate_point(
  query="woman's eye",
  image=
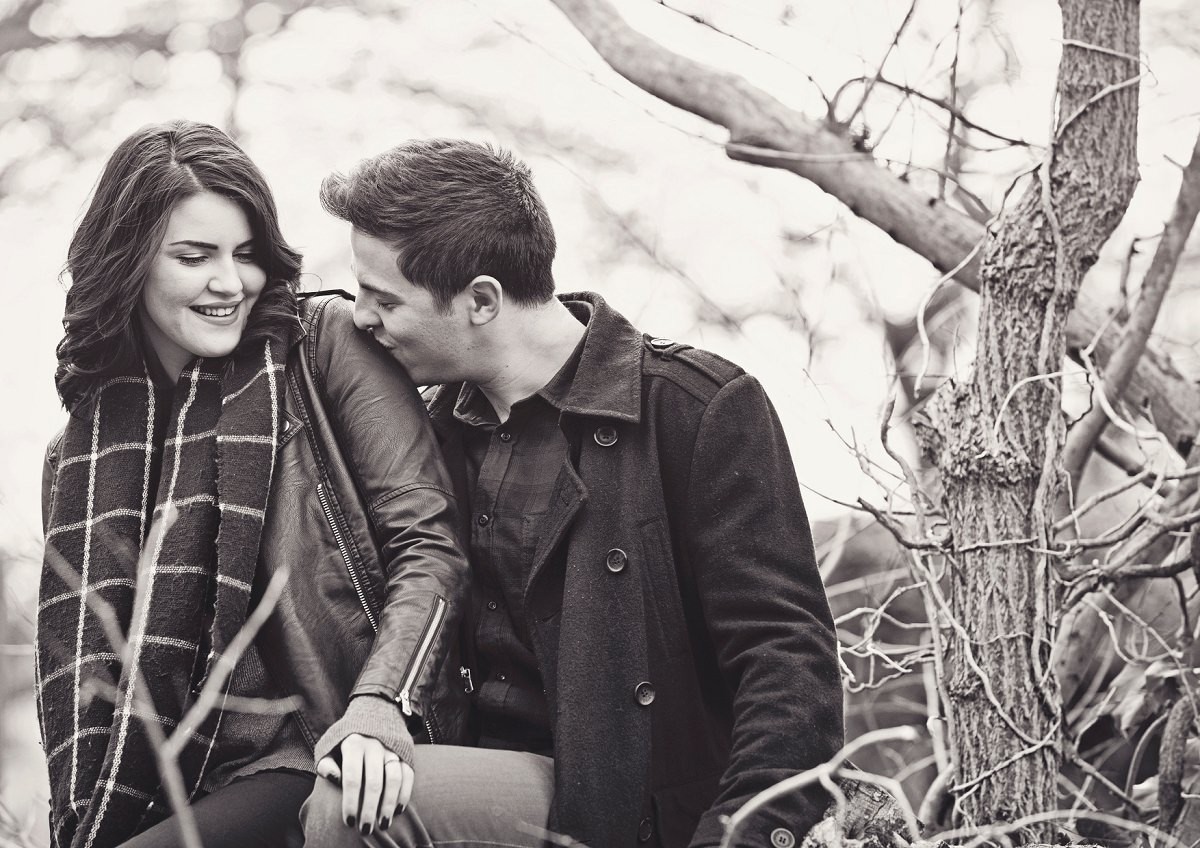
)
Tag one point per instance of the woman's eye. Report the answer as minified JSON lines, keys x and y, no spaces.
{"x":191,"y":261}
{"x":245,"y":257}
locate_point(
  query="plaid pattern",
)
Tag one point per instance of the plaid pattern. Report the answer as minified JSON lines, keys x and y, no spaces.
{"x":137,"y":603}
{"x":511,"y":471}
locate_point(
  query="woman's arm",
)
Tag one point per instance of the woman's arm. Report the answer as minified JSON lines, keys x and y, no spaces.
{"x":387,"y":440}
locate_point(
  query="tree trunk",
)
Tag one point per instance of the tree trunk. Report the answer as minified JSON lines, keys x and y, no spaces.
{"x":996,"y":439}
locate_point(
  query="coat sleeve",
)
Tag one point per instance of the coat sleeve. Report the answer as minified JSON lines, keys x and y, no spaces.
{"x":389,"y":444}
{"x":765,"y":610}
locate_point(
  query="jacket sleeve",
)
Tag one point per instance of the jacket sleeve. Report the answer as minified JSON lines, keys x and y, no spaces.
{"x":765,"y":610}
{"x":389,"y":444}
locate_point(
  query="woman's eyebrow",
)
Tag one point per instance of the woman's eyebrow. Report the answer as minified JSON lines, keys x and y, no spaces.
{"x":206,"y":246}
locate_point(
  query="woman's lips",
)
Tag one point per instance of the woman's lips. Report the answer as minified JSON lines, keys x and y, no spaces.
{"x":218,"y":314}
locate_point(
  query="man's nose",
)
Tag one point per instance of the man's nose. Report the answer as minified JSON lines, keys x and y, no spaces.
{"x":364,"y":317}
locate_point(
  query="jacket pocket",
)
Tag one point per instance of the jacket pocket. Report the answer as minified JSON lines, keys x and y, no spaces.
{"x":341,"y":537}
{"x":664,"y":603}
{"x":678,"y":809}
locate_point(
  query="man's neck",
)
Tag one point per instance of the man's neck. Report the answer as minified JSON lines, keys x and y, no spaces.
{"x":533,"y":349}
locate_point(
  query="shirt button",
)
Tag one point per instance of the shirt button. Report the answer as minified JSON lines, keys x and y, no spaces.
{"x":781,"y":837}
{"x":505,"y":436}
{"x":616,"y":560}
{"x":644,"y":693}
{"x":492,"y":605}
{"x":502,"y":677}
{"x":485,"y":520}
{"x":606,"y":436}
{"x":645,"y":830}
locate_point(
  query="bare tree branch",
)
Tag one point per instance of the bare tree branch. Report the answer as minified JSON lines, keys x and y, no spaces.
{"x":761,"y":128}
{"x":1133,"y":342}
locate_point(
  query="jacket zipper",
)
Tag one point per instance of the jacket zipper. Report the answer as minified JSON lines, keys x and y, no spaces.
{"x":424,"y":646}
{"x":346,"y":559}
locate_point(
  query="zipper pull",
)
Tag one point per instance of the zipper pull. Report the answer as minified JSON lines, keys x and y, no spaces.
{"x":404,"y":702}
{"x":468,"y":684}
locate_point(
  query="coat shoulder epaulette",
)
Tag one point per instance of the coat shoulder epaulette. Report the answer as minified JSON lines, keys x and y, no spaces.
{"x":700,"y":372}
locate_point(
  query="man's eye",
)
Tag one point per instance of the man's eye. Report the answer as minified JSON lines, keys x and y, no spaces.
{"x":388,"y":305}
{"x":192,"y":260}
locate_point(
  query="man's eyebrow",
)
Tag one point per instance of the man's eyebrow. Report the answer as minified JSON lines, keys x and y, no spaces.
{"x":375,"y":290}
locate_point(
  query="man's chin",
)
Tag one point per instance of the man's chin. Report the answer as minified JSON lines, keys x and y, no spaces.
{"x":414,"y":370}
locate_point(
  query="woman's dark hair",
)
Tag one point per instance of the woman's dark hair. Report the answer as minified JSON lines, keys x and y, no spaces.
{"x":116,"y":242}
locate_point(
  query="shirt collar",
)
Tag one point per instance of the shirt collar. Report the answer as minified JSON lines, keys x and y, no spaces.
{"x":473,"y":407}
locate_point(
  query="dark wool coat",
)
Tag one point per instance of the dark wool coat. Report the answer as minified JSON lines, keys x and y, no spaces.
{"x":685,"y":642}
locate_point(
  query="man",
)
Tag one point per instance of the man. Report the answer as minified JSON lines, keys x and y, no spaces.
{"x":650,"y":644}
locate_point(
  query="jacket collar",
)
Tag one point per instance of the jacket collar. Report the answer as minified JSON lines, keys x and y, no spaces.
{"x":608,"y":379}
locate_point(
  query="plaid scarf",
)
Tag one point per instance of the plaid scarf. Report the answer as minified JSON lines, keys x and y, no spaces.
{"x":137,"y":603}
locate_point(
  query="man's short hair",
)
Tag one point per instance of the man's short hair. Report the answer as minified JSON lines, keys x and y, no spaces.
{"x":452,"y":210}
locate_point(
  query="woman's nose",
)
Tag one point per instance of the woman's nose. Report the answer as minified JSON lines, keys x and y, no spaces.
{"x":226,"y":279}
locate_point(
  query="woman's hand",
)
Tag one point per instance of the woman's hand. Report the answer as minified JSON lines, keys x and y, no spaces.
{"x":376,"y":783}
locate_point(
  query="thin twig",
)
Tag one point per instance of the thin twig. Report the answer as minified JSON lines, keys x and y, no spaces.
{"x":813,"y":775}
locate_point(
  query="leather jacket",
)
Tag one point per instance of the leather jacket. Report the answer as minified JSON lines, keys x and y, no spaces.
{"x":362,"y":514}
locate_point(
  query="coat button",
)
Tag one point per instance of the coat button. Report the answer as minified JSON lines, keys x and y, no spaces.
{"x":493,"y":606}
{"x":645,"y":830}
{"x":616,"y":560}
{"x":606,"y":436}
{"x":644,"y":693}
{"x":484,"y":520}
{"x":781,"y":837}
{"x":661,"y":344}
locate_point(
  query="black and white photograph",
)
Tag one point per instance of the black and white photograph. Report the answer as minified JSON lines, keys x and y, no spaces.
{"x":601,"y":423}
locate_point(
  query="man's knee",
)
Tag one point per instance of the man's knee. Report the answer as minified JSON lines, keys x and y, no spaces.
{"x":324,"y":827}
{"x":321,"y":818}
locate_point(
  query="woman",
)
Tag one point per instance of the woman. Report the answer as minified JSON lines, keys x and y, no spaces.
{"x":223,"y":439}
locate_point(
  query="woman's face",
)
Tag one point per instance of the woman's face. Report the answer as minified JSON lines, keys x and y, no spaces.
{"x":202,"y":283}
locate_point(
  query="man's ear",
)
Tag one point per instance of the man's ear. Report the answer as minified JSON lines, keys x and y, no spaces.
{"x":485,"y":299}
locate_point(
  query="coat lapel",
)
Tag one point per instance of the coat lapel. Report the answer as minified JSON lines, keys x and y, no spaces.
{"x":569,"y":496}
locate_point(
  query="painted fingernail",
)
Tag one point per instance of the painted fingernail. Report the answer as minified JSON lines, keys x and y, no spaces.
{"x":385,"y":823}
{"x":366,"y":829}
{"x":349,"y":821}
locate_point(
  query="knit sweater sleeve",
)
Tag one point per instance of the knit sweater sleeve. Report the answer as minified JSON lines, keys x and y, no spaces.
{"x":369,"y":715}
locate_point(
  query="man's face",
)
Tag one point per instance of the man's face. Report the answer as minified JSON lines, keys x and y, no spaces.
{"x":430,"y":343}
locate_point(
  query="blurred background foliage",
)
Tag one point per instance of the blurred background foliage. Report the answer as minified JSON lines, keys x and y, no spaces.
{"x":753,"y":263}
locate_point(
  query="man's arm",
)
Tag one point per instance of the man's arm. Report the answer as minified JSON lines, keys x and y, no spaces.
{"x":751,"y":551}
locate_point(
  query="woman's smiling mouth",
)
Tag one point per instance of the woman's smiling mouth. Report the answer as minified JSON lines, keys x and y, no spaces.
{"x":216,"y":311}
